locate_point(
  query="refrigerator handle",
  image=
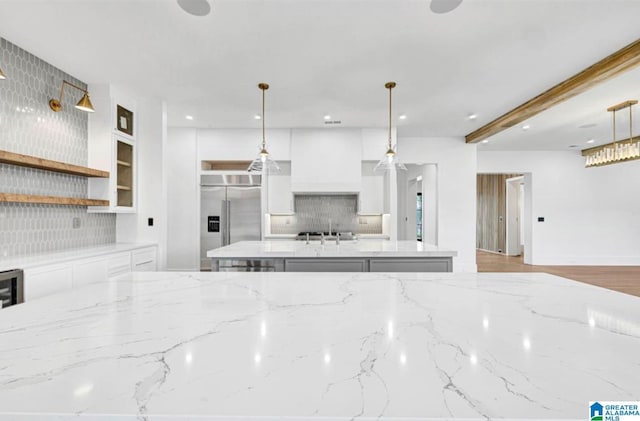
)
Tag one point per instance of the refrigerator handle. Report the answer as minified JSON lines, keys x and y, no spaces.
{"x":223,"y":221}
{"x":228,"y":216}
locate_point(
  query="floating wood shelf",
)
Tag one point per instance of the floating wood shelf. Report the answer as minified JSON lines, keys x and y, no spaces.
{"x":46,"y":164}
{"x":124,"y":188}
{"x":51,"y":200}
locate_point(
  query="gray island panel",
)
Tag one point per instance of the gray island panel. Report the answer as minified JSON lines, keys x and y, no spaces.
{"x":348,"y":256}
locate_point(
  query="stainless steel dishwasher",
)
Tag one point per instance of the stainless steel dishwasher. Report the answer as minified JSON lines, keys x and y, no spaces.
{"x":11,"y":287}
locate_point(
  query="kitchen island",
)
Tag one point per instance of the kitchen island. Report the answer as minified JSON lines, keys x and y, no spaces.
{"x":348,"y":256}
{"x":246,"y":346}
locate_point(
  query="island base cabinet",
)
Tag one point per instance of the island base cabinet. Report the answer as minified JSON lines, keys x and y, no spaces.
{"x":410,"y":265}
{"x":325,"y":265}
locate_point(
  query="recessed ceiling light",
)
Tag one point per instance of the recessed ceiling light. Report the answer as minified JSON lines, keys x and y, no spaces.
{"x":472,"y":116}
{"x":485,"y":141}
{"x":526,"y":127}
{"x":573,"y":146}
{"x":327,"y":117}
{"x":189,"y":117}
{"x":402,"y":117}
{"x":257,"y":117}
{"x":590,"y":140}
{"x":587,"y":126}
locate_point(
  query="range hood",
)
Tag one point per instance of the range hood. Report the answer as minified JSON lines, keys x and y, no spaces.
{"x":327,"y":161}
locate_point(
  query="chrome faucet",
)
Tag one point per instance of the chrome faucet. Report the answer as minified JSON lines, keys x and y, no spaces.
{"x":307,"y":238}
{"x":337,"y":238}
{"x":329,"y":227}
{"x":322,"y":238}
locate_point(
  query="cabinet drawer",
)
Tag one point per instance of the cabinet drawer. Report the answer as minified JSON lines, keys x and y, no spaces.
{"x":325,"y":265}
{"x":144,"y":260}
{"x":89,"y":272}
{"x":410,"y":265}
{"x":119,"y":264}
{"x":47,"y":280}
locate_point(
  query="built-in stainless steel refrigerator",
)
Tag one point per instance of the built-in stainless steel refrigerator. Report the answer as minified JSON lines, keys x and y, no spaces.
{"x":230,"y":211}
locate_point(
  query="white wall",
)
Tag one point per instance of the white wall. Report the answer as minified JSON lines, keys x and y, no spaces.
{"x":183,"y":228}
{"x":456,"y":178}
{"x":592,"y":215}
{"x":152,"y":195}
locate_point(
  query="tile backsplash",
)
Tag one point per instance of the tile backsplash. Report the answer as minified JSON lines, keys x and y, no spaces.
{"x":28,"y":126}
{"x":313,"y":213}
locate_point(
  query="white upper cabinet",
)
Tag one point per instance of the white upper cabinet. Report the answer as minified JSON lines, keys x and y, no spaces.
{"x":326,"y":160}
{"x":280,"y":197}
{"x":372,"y":194}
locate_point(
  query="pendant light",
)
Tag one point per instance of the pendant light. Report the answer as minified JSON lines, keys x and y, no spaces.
{"x":263,"y":161}
{"x":390,"y":159}
{"x":2,"y":76}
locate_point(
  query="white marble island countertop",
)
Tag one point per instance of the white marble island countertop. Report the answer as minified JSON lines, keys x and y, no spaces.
{"x":274,"y":346}
{"x":293,"y":249}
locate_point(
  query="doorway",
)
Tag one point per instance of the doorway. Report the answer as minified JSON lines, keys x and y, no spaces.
{"x":418,"y":203}
{"x":514,"y":188}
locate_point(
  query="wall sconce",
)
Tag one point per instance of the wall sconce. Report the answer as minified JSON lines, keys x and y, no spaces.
{"x":84,"y":104}
{"x":2,"y":76}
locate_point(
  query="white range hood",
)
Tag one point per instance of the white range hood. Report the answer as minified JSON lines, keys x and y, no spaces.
{"x":326,"y":160}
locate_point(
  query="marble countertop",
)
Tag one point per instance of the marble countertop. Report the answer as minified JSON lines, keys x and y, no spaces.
{"x":314,"y":346}
{"x":367,"y":248}
{"x":43,"y":259}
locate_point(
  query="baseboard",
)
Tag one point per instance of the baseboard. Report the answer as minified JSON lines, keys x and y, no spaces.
{"x":587,"y":261}
{"x":499,"y":253}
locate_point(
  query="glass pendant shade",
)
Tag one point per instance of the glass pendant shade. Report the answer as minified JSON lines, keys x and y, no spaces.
{"x":389,"y":162}
{"x":263,"y":163}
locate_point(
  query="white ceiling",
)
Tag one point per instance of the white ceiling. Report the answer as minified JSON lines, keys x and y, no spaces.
{"x":333,"y":57}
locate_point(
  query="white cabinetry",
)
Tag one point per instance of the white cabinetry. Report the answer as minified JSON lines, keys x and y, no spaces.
{"x":372,"y":195}
{"x":326,"y":161}
{"x":280,"y":197}
{"x":47,"y":280}
{"x":112,"y":147}
{"x":118,"y":264}
{"x":144,"y":260}
{"x":53,"y":278}
{"x":89,"y":271}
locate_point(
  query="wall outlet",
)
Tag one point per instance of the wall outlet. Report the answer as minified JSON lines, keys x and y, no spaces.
{"x":76,"y":223}
{"x":150,"y":222}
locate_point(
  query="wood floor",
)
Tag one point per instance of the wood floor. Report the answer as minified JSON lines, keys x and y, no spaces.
{"x":618,"y":278}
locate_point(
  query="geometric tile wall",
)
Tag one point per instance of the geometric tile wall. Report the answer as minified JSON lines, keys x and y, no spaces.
{"x":28,"y":126}
{"x":313,"y":212}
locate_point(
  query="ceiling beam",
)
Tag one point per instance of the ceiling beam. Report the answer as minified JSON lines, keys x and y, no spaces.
{"x":611,"y":66}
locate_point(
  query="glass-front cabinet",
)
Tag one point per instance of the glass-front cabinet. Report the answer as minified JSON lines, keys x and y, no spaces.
{"x":125,"y":166}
